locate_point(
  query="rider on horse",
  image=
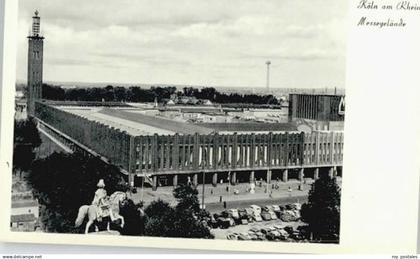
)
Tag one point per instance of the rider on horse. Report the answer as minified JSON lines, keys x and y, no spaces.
{"x":99,"y":199}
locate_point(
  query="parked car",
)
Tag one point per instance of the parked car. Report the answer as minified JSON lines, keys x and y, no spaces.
{"x":265,"y":231}
{"x":276,"y":208}
{"x":294,"y":206}
{"x":253,"y":237}
{"x":256,"y":209}
{"x":266,"y":216}
{"x":244,"y":221}
{"x":257,"y":218}
{"x":289,"y":229}
{"x":213,"y":222}
{"x":243,"y":214}
{"x":260,"y":236}
{"x":273,"y":215}
{"x":296,"y":235}
{"x":254,"y":229}
{"x":283,"y":233}
{"x":224,"y":222}
{"x":244,"y":236}
{"x":272,"y":228}
{"x":233,"y":213}
{"x":249,"y":213}
{"x":232,"y":236}
{"x":272,"y":235}
{"x":297,"y":206}
{"x":225,"y":214}
{"x":267,"y":208}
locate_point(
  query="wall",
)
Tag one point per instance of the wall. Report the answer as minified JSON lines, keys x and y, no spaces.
{"x":109,"y":142}
{"x":315,"y":107}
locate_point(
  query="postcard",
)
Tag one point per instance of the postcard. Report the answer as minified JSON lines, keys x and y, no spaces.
{"x":237,"y":125}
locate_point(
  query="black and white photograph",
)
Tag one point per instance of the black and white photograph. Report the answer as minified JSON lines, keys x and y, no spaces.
{"x":180,"y":119}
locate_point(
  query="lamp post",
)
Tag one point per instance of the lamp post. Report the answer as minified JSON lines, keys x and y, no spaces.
{"x":204,"y":181}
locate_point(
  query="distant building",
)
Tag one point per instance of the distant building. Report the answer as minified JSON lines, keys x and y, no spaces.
{"x":20,"y":106}
{"x":23,"y":222}
{"x":206,"y":102}
{"x":317,"y":112}
{"x":24,"y":215}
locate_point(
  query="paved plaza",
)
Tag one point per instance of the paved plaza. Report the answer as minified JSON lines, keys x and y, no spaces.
{"x":215,"y":197}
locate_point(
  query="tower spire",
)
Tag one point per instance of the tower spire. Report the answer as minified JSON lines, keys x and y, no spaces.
{"x":36,"y":24}
{"x":35,"y":62}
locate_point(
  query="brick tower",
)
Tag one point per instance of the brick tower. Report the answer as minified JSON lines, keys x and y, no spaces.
{"x":35,"y":54}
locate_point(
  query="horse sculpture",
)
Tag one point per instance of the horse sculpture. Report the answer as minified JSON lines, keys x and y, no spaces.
{"x":109,"y":208}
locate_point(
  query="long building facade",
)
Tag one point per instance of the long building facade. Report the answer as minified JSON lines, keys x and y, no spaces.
{"x":154,"y":156}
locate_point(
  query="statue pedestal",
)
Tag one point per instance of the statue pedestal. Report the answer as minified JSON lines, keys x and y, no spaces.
{"x":111,"y":232}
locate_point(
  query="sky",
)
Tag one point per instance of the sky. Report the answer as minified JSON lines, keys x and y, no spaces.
{"x":189,"y":42}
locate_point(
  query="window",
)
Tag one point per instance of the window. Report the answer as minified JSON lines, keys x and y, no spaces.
{"x":36,"y":55}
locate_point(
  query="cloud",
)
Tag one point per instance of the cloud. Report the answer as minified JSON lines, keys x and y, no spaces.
{"x":188,"y":41}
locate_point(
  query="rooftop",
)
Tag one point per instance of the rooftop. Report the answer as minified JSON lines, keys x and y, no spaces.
{"x":146,"y":122}
{"x":23,"y":218}
{"x":25,"y":203}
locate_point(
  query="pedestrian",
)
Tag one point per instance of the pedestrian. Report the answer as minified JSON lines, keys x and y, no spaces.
{"x":221,"y":198}
{"x":224,"y":204}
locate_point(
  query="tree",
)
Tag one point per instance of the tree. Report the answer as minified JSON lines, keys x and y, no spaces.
{"x":52,"y":92}
{"x":133,"y":217}
{"x":160,"y":219}
{"x":26,"y":140}
{"x":64,"y":182}
{"x":137,"y":94}
{"x":322,"y":212}
{"x":189,"y":221}
{"x":187,"y":198}
{"x":185,"y":220}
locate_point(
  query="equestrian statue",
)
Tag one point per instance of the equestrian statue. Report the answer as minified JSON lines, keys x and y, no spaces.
{"x":102,"y":206}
